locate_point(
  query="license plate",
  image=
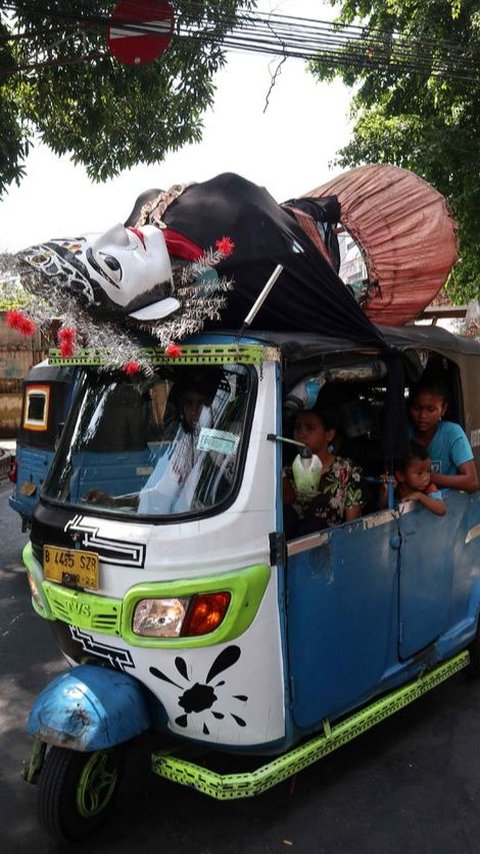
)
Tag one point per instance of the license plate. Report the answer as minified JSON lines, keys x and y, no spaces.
{"x":71,"y":567}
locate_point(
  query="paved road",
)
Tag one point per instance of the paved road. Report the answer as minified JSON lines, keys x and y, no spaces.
{"x":412,"y":785}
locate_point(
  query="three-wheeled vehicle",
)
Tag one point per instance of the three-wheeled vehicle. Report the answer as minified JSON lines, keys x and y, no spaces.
{"x":46,"y":399}
{"x":159,"y":558}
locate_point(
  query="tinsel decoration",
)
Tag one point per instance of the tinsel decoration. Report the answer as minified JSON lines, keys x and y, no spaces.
{"x":42,"y":300}
{"x":200,"y":292}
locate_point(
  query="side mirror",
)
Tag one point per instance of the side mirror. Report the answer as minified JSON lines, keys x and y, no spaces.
{"x":274,"y":437}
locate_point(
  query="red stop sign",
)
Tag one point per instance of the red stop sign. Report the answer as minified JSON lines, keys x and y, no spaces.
{"x":140,"y":30}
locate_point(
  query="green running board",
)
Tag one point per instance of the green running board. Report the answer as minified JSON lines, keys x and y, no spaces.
{"x":225,"y":787}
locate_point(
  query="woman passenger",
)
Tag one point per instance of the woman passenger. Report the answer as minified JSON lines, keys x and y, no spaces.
{"x":445,"y":442}
{"x":338,"y":497}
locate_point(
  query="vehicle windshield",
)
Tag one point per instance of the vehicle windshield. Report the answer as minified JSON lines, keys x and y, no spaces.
{"x":162,"y":446}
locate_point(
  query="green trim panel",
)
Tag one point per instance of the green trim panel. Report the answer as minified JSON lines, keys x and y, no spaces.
{"x":84,"y":610}
{"x":246,"y":587}
{"x":246,"y":785}
{"x":199,"y":354}
{"x":28,"y":559}
{"x":35,"y":569}
{"x":108,"y":616}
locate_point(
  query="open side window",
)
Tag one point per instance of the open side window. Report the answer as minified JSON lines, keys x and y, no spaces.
{"x":354,"y":390}
{"x":440,"y":371}
{"x":370,"y":397}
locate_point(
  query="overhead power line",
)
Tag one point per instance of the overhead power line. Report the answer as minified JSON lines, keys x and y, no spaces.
{"x":327,"y":43}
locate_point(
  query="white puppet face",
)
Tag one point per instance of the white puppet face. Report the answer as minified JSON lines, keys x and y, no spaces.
{"x":133,"y":268}
{"x":126,"y":270}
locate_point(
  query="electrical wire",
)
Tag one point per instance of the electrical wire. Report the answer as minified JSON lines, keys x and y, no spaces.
{"x":326,"y":43}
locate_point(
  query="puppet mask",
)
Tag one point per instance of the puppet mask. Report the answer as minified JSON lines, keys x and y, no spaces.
{"x":124,"y":271}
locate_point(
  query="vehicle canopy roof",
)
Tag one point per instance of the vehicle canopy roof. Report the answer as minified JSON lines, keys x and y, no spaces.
{"x":301,"y":348}
{"x":44,"y":372}
{"x":404,"y":356}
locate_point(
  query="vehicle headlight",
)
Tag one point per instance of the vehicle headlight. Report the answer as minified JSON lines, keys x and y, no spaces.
{"x":159,"y":618}
{"x":35,"y":591}
{"x":188,"y":616}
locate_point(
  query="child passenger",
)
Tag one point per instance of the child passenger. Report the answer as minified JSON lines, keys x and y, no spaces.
{"x":444,"y":441}
{"x":413,"y":479}
{"x":339,"y":495}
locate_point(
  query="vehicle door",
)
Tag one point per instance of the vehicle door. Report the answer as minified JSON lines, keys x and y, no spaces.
{"x":428,"y":546}
{"x":342,"y":615}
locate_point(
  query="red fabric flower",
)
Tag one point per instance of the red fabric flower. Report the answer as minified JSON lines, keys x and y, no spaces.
{"x":19,"y":321}
{"x":225,"y":246}
{"x":67,"y":338}
{"x":173,"y":351}
{"x":66,"y":349}
{"x":131,"y":368}
{"x":68,"y":333}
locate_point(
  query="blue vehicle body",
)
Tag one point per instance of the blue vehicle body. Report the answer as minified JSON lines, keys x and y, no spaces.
{"x":90,"y":708}
{"x":413,"y":596}
{"x":48,"y":392}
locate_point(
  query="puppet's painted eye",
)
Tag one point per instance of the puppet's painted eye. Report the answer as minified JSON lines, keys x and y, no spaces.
{"x":112,"y":264}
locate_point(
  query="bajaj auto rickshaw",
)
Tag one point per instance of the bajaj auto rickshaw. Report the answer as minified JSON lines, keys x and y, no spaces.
{"x":159,"y":550}
{"x":159,"y":557}
{"x":46,"y":399}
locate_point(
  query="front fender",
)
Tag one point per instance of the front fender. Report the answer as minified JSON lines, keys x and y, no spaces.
{"x":89,"y":708}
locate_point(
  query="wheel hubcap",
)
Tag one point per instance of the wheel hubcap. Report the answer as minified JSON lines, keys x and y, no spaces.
{"x":96,"y":784}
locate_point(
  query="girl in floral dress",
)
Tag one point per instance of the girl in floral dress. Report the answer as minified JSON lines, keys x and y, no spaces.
{"x":339,"y":494}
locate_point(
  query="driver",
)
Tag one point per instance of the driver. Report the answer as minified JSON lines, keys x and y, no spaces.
{"x":171,"y":484}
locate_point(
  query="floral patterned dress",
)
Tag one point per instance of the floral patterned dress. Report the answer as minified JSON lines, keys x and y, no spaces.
{"x":339,"y":489}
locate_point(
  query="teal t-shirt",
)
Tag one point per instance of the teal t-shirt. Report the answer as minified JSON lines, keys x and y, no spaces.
{"x":449,"y":448}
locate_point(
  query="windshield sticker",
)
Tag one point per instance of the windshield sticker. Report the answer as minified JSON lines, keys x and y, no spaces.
{"x":217,"y":440}
{"x":144,"y":471}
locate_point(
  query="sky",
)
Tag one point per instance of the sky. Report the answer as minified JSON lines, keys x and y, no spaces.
{"x":287,"y":148}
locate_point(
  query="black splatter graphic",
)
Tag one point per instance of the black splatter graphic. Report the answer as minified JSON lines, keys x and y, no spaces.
{"x":181,"y":666}
{"x":223,"y":661}
{"x":200,"y":697}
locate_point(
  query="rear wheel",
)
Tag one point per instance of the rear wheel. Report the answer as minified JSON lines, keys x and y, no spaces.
{"x":76,"y":791}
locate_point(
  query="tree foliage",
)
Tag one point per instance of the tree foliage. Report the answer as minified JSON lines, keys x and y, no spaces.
{"x":58,"y":83}
{"x":417,"y":117}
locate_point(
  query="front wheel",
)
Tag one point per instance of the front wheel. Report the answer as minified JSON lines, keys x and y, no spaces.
{"x":76,"y":791}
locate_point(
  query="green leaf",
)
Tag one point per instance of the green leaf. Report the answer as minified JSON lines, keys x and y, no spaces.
{"x":105,"y":115}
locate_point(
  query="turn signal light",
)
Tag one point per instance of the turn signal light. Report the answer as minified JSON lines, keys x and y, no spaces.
{"x":205,"y":614}
{"x":35,"y":591}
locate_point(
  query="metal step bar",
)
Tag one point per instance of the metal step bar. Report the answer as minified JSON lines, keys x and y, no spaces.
{"x":248,"y":784}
